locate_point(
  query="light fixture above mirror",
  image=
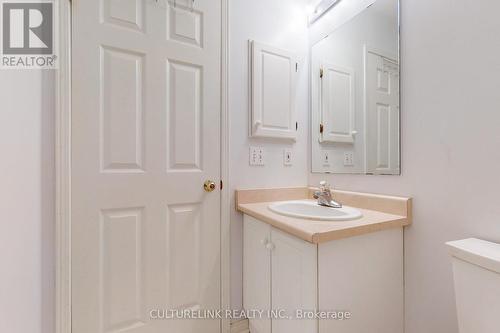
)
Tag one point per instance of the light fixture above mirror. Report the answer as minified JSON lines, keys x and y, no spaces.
{"x":321,"y":8}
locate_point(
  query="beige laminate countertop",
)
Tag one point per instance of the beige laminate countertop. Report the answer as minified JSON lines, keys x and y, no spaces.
{"x":379,"y":213}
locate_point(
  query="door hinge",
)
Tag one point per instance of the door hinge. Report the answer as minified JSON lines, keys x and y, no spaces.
{"x":221,"y":185}
{"x":321,"y":73}
{"x":296,"y":126}
{"x":321,"y":128}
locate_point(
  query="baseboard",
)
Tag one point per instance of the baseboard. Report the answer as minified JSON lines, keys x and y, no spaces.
{"x":240,"y":326}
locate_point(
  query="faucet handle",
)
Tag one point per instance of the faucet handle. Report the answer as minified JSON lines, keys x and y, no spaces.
{"x":324,"y":185}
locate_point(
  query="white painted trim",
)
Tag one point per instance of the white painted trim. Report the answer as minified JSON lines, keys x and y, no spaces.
{"x":365,"y":95}
{"x":63,"y":173}
{"x":225,"y":203}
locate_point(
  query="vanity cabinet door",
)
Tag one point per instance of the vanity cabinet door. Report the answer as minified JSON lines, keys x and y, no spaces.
{"x":294,"y":282}
{"x":257,"y":272}
{"x":363,"y":275}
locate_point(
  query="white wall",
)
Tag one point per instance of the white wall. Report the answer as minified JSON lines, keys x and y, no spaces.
{"x":450,"y":142}
{"x":283,"y":25}
{"x":27,"y":201}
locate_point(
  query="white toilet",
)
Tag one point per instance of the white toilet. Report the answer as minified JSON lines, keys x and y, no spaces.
{"x":476,"y":269}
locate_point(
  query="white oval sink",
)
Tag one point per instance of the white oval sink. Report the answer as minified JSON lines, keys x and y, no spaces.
{"x":308,"y":209}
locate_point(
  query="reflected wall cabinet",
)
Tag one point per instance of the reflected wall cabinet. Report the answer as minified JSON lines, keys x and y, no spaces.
{"x":337,"y":104}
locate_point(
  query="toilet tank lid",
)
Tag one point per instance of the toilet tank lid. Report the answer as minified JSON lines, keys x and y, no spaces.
{"x":478,"y":252}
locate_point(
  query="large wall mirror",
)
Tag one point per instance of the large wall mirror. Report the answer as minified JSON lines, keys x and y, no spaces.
{"x":355,"y":94}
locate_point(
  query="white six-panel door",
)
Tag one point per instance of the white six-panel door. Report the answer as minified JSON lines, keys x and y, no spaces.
{"x":145,"y":137}
{"x":382,"y":114}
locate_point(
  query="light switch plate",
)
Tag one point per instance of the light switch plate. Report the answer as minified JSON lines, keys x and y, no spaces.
{"x":348,"y":159}
{"x":326,"y":158}
{"x":256,"y":156}
{"x":287,"y":157}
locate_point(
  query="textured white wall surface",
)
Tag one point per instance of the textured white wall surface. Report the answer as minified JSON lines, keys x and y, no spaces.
{"x":450,"y":141}
{"x":27,"y":201}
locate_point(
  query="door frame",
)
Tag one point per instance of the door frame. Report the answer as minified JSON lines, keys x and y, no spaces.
{"x":63,"y":171}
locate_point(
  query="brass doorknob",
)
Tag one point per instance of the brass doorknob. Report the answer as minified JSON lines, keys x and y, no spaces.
{"x":209,"y":186}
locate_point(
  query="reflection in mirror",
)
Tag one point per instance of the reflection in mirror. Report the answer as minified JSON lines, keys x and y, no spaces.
{"x":355,"y":94}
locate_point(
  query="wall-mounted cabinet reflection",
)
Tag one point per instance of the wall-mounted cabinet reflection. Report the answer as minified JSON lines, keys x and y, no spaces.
{"x":355,"y":93}
{"x":337,"y":104}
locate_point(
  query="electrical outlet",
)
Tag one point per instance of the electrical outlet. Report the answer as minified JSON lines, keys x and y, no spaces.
{"x":326,"y":158}
{"x":287,"y":157}
{"x":349,"y":159}
{"x":256,"y":156}
{"x":260,"y":156}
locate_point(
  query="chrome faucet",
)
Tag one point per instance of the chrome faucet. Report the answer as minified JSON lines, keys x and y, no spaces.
{"x":324,"y":196}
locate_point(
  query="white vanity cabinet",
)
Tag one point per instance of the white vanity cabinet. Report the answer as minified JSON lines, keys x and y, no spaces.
{"x":362,"y":275}
{"x":280,"y":275}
